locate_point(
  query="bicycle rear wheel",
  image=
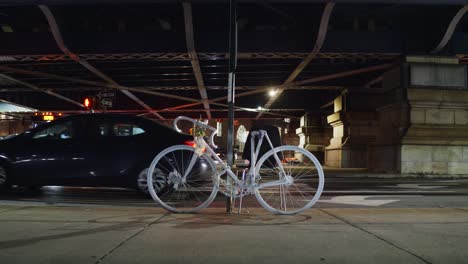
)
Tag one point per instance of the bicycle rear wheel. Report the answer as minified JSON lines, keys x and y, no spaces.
{"x":190,"y":180}
{"x":290,"y":180}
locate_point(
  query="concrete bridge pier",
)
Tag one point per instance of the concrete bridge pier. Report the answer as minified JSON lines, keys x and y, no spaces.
{"x":424,"y":129}
{"x":354,"y":124}
{"x":314,"y":134}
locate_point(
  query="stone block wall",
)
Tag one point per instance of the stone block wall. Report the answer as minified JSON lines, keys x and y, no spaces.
{"x":417,"y":159}
{"x":423,"y":129}
{"x":437,"y":139}
{"x":314,"y":134}
{"x":13,"y":126}
{"x":384,"y":158}
{"x":385,"y":152}
{"x":353,"y":131}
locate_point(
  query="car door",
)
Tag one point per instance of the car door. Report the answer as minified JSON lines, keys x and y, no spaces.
{"x":51,"y":153}
{"x":113,"y":147}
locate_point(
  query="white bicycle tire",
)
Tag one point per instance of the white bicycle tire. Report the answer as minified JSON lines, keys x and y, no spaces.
{"x":321,"y":179}
{"x":156,"y":197}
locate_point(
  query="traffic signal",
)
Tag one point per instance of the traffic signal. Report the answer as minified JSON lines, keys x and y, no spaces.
{"x":89,"y":102}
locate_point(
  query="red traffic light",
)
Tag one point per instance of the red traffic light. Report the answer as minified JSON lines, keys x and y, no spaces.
{"x":88,"y":102}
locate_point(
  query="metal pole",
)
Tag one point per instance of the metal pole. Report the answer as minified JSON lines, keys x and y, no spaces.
{"x":231,"y":89}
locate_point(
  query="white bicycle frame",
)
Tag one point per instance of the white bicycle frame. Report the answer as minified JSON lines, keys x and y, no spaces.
{"x":255,"y":150}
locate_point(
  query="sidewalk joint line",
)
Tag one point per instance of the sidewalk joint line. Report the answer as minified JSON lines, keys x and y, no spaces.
{"x":374,"y":235}
{"x":129,"y":238}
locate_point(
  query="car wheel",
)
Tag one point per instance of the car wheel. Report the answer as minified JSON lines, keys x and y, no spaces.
{"x":159,"y":181}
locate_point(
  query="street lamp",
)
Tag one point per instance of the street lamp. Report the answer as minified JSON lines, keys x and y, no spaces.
{"x":272,"y":92}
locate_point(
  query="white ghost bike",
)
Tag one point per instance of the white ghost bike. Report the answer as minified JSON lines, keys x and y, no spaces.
{"x":186,"y":178}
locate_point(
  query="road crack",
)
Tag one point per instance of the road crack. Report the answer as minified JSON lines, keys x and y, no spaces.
{"x":375,"y":235}
{"x":128,"y":239}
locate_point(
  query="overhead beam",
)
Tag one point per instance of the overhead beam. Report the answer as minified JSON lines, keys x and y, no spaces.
{"x":374,"y":81}
{"x":142,"y":112}
{"x":61,"y":44}
{"x":120,"y":87}
{"x":318,"y":46}
{"x":208,"y":56}
{"x":450,"y":29}
{"x":47,"y":91}
{"x":297,"y":83}
{"x":148,"y":45}
{"x":194,"y":57}
{"x":7,"y":89}
{"x":401,"y":2}
{"x":198,"y":102}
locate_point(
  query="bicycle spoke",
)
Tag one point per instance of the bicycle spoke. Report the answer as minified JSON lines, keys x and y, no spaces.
{"x":190,"y":193}
{"x":294,"y":192}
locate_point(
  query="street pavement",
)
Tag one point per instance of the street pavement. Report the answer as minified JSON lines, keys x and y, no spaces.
{"x":355,"y":221}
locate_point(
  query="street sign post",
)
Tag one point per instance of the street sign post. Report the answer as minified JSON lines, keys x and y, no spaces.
{"x":231,"y":90}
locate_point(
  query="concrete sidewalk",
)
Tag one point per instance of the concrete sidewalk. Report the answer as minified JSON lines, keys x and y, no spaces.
{"x":45,"y":234}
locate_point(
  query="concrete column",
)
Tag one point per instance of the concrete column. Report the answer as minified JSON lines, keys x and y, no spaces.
{"x":425,"y":131}
{"x":353,"y":130}
{"x":314,"y":135}
{"x":393,"y":122}
{"x":437,"y":140}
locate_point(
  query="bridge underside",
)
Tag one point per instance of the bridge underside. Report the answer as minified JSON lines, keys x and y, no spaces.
{"x":380,"y":86}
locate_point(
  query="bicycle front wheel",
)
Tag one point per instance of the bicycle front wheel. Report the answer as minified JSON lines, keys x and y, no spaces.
{"x":190,"y":179}
{"x":290,"y":180}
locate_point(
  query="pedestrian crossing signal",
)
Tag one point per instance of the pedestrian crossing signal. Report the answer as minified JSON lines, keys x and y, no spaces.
{"x":88,"y":102}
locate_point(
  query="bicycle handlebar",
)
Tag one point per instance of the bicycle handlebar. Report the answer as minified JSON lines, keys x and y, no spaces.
{"x":214,"y":131}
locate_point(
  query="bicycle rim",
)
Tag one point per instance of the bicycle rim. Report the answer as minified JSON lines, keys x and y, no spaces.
{"x":180,"y":195}
{"x":301,"y":178}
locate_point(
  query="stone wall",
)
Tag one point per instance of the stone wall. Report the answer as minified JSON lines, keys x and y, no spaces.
{"x":423,"y":121}
{"x":354,"y":128}
{"x":352,"y":133}
{"x":419,"y":159}
{"x":437,"y":139}
{"x":314,"y":134}
{"x":385,"y":152}
{"x":13,"y":126}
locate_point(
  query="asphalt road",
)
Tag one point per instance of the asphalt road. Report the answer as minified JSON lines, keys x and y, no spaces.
{"x":338,"y":193}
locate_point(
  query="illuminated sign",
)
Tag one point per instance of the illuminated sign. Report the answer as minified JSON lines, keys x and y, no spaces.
{"x":48,"y":117}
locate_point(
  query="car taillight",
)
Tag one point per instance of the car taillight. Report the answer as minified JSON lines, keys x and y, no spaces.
{"x":190,"y":143}
{"x":193,"y":145}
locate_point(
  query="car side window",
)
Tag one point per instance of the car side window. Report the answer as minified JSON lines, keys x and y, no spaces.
{"x":64,"y":130}
{"x":119,"y":129}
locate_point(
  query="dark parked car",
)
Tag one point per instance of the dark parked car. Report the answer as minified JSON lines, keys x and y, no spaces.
{"x":86,"y":150}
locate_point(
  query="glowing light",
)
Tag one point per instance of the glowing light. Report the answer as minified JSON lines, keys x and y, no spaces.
{"x":48,"y":118}
{"x":272,"y":92}
{"x":87,"y":102}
